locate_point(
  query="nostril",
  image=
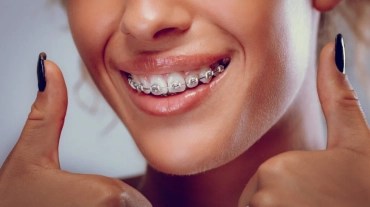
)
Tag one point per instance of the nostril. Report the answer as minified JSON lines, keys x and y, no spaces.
{"x":166,"y":32}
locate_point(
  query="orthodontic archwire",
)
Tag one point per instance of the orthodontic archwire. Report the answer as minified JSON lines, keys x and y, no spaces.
{"x":193,"y":81}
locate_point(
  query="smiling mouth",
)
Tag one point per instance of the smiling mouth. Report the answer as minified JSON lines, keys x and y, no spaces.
{"x":177,"y":82}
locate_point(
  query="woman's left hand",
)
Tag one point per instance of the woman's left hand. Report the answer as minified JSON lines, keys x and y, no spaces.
{"x":337,"y":176}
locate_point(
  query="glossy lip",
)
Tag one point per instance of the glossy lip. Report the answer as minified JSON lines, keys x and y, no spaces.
{"x":176,"y":104}
{"x":153,"y":65}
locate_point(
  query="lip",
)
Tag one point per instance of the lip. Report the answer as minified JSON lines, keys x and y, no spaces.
{"x":156,"y":65}
{"x":176,"y":104}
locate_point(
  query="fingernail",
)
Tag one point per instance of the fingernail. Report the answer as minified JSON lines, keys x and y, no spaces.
{"x":41,"y":72}
{"x":340,"y":54}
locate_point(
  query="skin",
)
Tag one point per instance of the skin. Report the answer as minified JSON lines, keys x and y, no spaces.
{"x":268,"y":73}
{"x":269,"y":151}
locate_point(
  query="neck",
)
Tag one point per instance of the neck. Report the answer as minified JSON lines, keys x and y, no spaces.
{"x":300,"y":128}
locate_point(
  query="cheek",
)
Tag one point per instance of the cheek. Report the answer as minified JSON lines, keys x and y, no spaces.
{"x":273,"y":53}
{"x":274,"y":36}
{"x":275,"y":39}
{"x":92,"y":25}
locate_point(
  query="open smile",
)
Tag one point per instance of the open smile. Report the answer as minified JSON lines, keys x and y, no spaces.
{"x":173,"y":85}
{"x":176,"y":82}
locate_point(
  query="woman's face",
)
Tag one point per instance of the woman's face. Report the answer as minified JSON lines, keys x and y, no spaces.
{"x":162,"y":42}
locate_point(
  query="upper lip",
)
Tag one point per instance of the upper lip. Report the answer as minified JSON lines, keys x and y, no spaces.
{"x":162,"y":65}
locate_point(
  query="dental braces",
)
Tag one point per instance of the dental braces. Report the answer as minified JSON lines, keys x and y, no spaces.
{"x":190,"y":82}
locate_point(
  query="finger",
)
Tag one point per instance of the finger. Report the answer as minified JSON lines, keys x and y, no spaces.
{"x":39,"y":140}
{"x":91,"y":190}
{"x":248,"y":192}
{"x":130,"y":197}
{"x":345,"y":120}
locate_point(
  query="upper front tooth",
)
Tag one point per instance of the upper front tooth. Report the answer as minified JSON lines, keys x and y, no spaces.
{"x":176,"y":83}
{"x":158,"y":85}
{"x":205,"y":75}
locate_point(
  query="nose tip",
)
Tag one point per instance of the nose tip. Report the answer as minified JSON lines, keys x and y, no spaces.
{"x":147,"y":20}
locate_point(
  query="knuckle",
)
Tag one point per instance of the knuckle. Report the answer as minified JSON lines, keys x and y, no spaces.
{"x":128,"y":196}
{"x":36,"y":113}
{"x":264,"y":198}
{"x":343,"y":99}
{"x":278,"y":165}
{"x":108,"y":192}
{"x":36,"y":118}
{"x":348,"y":100}
{"x":109,"y":196}
{"x":40,"y":116}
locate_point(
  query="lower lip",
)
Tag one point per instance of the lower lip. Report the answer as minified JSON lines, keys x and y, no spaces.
{"x":176,"y":104}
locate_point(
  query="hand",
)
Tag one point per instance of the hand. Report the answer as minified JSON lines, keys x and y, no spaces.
{"x":31,"y":175}
{"x":337,"y":176}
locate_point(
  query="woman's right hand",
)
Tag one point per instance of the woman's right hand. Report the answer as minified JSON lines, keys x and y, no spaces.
{"x":31,"y":175}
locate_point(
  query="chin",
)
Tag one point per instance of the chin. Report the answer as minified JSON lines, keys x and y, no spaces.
{"x":184,"y":161}
{"x":189,"y":149}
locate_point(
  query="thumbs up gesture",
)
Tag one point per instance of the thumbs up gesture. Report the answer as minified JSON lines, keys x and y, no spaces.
{"x":31,"y":175}
{"x":337,"y":176}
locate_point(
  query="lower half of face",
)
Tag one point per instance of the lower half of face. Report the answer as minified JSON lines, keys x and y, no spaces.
{"x":195,"y":82}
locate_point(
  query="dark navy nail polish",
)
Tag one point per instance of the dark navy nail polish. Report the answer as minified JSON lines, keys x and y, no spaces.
{"x":41,"y":72}
{"x":340,"y":54}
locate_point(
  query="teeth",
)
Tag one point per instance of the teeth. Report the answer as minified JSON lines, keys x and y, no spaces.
{"x":219,"y":69}
{"x":158,"y":85}
{"x":226,"y":62}
{"x":176,"y":83}
{"x":205,"y":75}
{"x":192,"y":80}
{"x":146,"y":85}
{"x":134,"y":82}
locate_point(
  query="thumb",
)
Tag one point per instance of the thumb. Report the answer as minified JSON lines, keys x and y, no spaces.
{"x":39,"y":141}
{"x":345,"y":120}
